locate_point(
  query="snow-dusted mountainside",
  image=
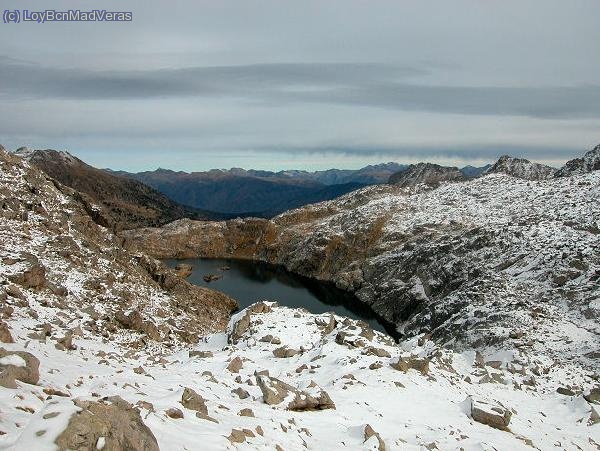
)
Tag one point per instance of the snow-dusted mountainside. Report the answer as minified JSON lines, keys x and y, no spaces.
{"x":520,"y":167}
{"x":588,"y":163}
{"x":426,"y":173}
{"x":496,"y":262}
{"x":103,"y":348}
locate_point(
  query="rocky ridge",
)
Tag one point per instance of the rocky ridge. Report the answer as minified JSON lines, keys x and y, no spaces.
{"x":521,"y":168}
{"x":120,"y":203}
{"x":426,"y":173}
{"x":589,"y":162}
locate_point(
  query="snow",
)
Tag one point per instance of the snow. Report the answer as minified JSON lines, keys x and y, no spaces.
{"x":14,"y":360}
{"x":408,"y":410}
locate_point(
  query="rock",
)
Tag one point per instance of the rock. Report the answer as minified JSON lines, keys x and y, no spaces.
{"x":246,"y":413}
{"x":237,"y":436}
{"x":275,"y":392}
{"x":18,"y":366}
{"x":284,"y":352}
{"x":379,"y":352}
{"x":235,"y":365}
{"x":211,"y":277}
{"x":201,"y":354}
{"x":193,"y":401}
{"x":409,"y":363}
{"x":239,"y":328}
{"x":242,"y":394}
{"x":33,"y":277}
{"x":133,"y":320}
{"x":14,"y":291}
{"x":66,"y":342}
{"x":370,"y":432}
{"x":495,"y":416}
{"x":183,"y":270}
{"x":592,"y":395}
{"x":565,"y":391}
{"x":5,"y":336}
{"x":174,"y":413}
{"x":114,"y":420}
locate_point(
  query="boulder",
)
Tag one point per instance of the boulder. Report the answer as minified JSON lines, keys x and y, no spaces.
{"x":201,"y":354}
{"x":242,"y":394}
{"x":114,"y":420}
{"x":5,"y":335}
{"x":193,"y":401}
{"x":174,"y":413}
{"x":410,"y":363}
{"x":276,"y":391}
{"x":183,"y":270}
{"x":370,"y":432}
{"x":18,"y":366}
{"x":493,"y":415}
{"x":235,"y":365}
{"x":284,"y":352}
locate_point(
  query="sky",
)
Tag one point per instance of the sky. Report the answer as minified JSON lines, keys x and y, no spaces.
{"x":304,"y":84}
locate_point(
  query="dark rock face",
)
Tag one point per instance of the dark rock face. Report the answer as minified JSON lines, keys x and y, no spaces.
{"x":588,"y":163}
{"x":125,"y":203}
{"x":521,"y":168}
{"x":426,"y":173}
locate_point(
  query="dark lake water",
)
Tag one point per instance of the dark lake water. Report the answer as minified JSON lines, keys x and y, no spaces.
{"x":249,"y":282}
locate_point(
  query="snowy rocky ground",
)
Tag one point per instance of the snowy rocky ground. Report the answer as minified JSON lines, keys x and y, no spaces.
{"x":431,"y":402}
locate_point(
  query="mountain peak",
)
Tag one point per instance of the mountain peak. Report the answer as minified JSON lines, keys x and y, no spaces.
{"x":427,"y":173}
{"x":588,"y":163}
{"x":521,"y":168}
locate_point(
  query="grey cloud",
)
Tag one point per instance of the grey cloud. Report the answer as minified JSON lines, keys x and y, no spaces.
{"x":350,"y":84}
{"x":483,"y":151}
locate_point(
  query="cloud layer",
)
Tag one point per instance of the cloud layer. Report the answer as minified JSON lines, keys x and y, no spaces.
{"x":266,"y":83}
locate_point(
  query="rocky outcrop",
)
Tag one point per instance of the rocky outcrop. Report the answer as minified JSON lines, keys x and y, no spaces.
{"x":491,"y":414}
{"x":18,"y":366}
{"x":275,"y":392}
{"x":521,"y":168}
{"x":426,"y":173}
{"x":50,"y":242}
{"x":588,"y":163}
{"x":112,"y":422}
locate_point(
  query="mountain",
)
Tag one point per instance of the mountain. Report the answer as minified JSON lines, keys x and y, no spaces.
{"x":521,"y":168}
{"x":461,"y":262}
{"x":123,"y":203}
{"x":242,"y":192}
{"x":589,"y":162}
{"x":426,"y":173}
{"x":107,"y":349}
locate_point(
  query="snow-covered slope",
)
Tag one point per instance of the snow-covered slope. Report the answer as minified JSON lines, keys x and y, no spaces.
{"x":336,"y":385}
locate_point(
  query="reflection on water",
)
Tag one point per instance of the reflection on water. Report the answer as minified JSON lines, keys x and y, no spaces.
{"x":250,"y":281}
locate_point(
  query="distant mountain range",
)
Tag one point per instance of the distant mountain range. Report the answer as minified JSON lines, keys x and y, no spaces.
{"x":152,"y":198}
{"x":260,"y":193}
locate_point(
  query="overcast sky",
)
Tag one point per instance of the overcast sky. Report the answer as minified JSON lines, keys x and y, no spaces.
{"x":279,"y":84}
